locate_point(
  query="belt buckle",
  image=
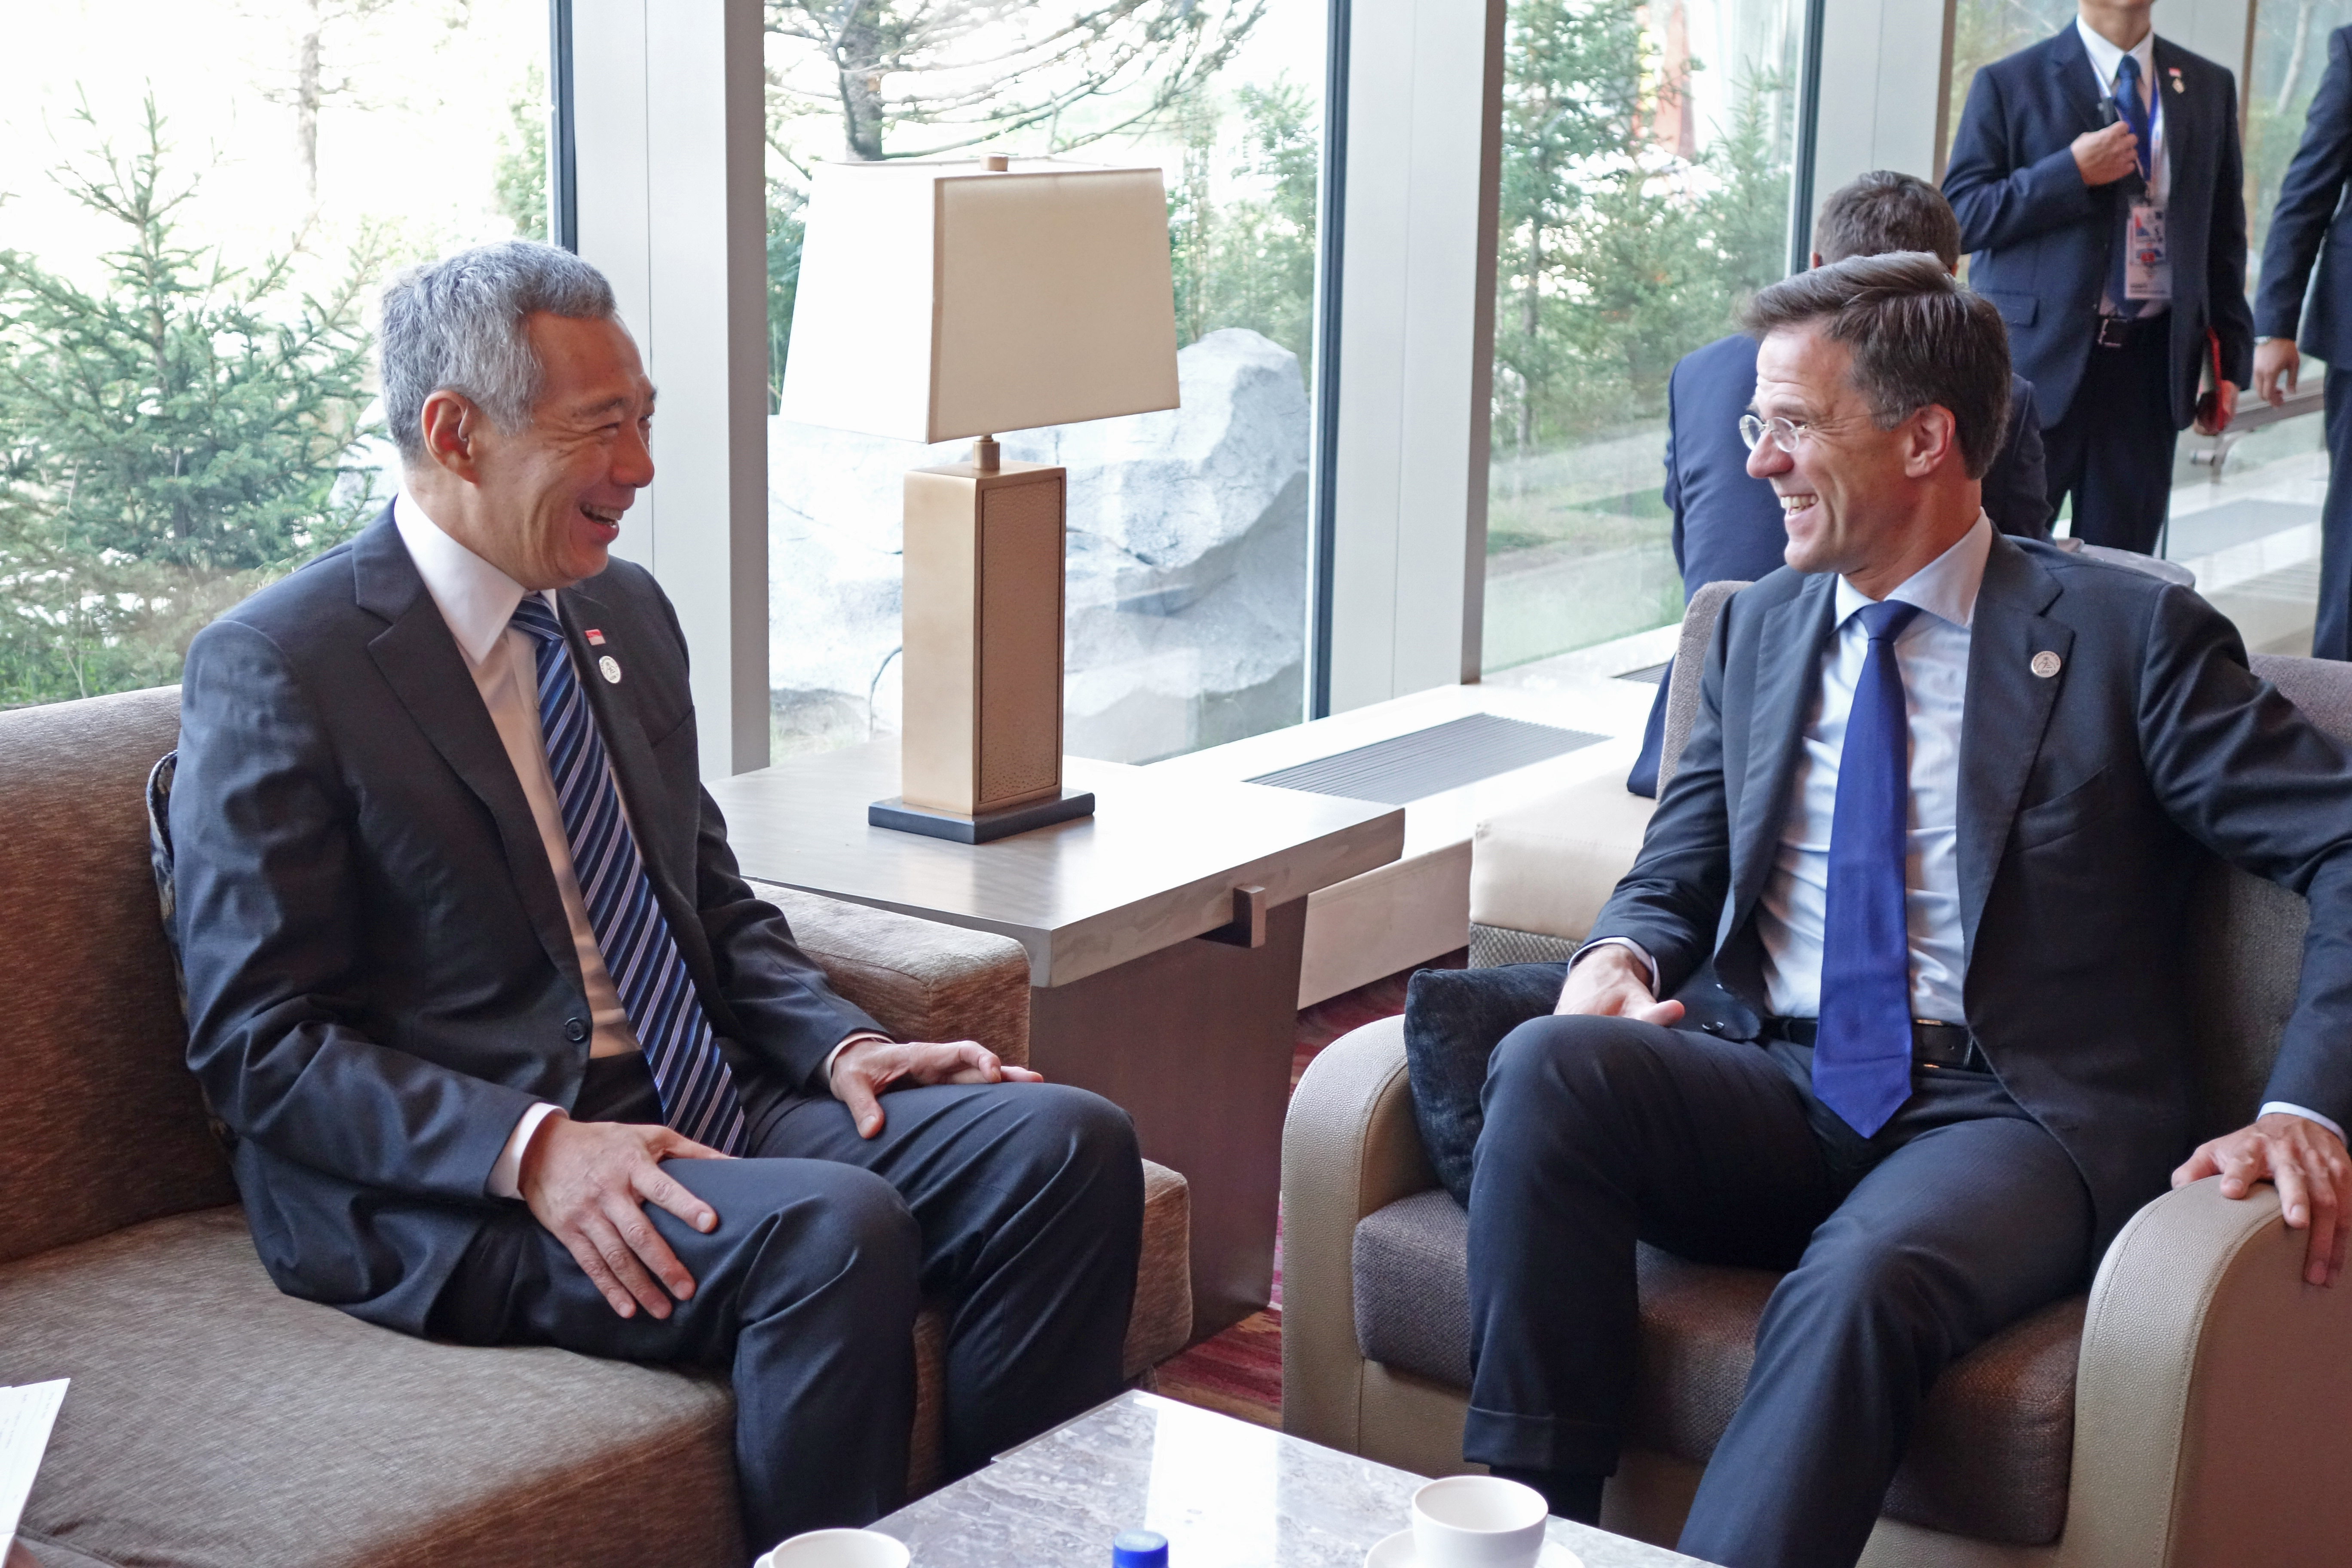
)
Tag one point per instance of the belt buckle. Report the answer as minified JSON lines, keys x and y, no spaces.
{"x":2114,"y":332}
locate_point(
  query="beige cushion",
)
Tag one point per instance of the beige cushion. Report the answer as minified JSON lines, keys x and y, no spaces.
{"x":922,"y":980}
{"x":105,"y":1127}
{"x":1989,"y":1458}
{"x":1549,"y":866}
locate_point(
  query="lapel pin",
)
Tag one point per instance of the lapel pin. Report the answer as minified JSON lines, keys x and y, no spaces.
{"x":2045,"y":665}
{"x":612,"y":667}
{"x":2175,"y":71}
{"x":595,"y":638}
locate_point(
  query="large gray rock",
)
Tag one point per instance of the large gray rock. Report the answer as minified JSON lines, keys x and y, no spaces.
{"x":1187,"y":568}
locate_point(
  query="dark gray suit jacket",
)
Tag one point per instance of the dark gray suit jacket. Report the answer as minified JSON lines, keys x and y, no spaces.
{"x":381,"y":978}
{"x":2086,"y":801}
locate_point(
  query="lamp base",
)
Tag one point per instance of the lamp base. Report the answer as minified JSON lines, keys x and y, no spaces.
{"x":981,"y":829}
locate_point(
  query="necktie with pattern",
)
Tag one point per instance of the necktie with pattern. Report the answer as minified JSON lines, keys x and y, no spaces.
{"x":698,"y":1093}
{"x":2135,"y":113}
{"x":1861,"y":1054}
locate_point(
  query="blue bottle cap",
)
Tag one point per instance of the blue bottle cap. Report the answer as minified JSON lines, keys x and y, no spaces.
{"x":1139,"y":1549}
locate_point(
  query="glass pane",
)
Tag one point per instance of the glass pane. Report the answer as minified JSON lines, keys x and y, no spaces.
{"x":1188,"y":530}
{"x":1645,"y":193}
{"x":200,"y":201}
{"x":1986,"y":30}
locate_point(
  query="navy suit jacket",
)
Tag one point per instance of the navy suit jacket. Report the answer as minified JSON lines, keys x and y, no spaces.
{"x":2310,"y":224}
{"x":2086,"y":802}
{"x":1728,"y":526}
{"x":381,"y":977}
{"x":2041,"y":238}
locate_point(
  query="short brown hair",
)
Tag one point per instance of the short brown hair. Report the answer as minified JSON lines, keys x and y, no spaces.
{"x":1917,"y":337}
{"x":1884,"y":211}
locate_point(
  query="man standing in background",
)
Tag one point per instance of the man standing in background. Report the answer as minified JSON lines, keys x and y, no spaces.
{"x":2301,"y":233}
{"x":2097,"y":177}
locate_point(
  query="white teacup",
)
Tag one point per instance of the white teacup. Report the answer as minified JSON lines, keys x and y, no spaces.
{"x":1476,"y":1522}
{"x":838,"y":1549}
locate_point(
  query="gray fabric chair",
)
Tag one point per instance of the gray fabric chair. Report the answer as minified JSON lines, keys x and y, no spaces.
{"x":2194,"y":1408}
{"x":212,"y":1420}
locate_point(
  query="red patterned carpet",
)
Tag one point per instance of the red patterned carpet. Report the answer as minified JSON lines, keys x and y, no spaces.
{"x":1239,"y":1371}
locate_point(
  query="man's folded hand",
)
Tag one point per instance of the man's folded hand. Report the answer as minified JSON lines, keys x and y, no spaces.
{"x":588,"y":1183}
{"x":1612,"y":983}
{"x":868,"y":1069}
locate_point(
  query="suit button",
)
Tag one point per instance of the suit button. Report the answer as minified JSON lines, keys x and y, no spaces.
{"x":1711,"y":1029}
{"x":575,"y":1030}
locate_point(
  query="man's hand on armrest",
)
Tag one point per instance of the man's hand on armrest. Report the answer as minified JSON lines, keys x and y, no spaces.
{"x":1611,"y":980}
{"x":587,"y":1182}
{"x":2312,"y":1174}
{"x":864,"y":1069}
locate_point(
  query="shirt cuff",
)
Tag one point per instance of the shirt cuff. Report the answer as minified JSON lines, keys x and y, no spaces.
{"x":1630,"y":945}
{"x":2294,"y":1110}
{"x":825,"y":1072}
{"x":506,"y":1174}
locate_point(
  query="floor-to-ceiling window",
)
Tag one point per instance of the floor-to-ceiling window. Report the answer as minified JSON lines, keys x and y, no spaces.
{"x":197,"y":202}
{"x":1187,"y":561}
{"x":1645,"y":193}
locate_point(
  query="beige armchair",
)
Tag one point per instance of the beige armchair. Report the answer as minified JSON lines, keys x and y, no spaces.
{"x":2195,"y":1408}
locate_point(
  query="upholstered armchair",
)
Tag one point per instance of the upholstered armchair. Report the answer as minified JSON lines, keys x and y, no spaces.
{"x":2194,"y":1408}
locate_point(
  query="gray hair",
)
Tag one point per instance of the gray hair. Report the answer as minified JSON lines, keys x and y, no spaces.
{"x":457,"y":323}
{"x":1917,"y":337}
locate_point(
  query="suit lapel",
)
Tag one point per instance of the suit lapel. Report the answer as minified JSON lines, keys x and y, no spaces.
{"x":419,"y":659}
{"x":2076,"y":78}
{"x":2007,"y":707}
{"x":1789,"y":649}
{"x":2184,"y":122}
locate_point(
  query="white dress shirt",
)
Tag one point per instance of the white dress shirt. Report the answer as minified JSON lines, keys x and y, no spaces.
{"x":478,"y":600}
{"x":1932,"y":654}
{"x":2105,"y":60}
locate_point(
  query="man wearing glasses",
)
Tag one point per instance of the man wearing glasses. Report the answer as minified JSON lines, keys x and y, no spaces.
{"x":1932,"y":838}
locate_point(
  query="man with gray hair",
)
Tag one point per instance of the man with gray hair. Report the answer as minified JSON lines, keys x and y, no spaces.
{"x":509,"y":1051}
{"x":1922,"y":872}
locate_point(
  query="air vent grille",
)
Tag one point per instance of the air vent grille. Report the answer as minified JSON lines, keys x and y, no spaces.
{"x":1429,"y":762}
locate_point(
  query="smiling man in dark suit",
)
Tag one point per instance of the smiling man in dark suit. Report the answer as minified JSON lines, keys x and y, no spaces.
{"x":1933,"y":837}
{"x":2098,"y":176}
{"x":509,"y":1051}
{"x":2309,"y":225}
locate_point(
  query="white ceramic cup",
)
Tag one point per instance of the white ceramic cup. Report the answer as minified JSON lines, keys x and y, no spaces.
{"x":839,"y":1549}
{"x":1476,"y":1522}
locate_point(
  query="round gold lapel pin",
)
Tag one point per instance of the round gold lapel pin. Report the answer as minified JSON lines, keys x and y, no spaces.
{"x":2045,"y":665}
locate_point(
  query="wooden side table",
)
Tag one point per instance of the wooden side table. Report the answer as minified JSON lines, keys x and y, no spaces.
{"x":1193,"y":1036}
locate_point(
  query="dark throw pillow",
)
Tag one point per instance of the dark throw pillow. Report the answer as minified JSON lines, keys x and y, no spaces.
{"x":1453,"y":1019}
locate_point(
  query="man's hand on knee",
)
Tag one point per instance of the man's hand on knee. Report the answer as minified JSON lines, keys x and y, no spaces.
{"x":588,"y":1183}
{"x":869,"y":1068}
{"x":2312,"y":1174}
{"x":1612,"y":983}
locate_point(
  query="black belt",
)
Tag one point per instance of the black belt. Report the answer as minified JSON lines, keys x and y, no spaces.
{"x":2122,"y":331}
{"x":1933,"y":1043}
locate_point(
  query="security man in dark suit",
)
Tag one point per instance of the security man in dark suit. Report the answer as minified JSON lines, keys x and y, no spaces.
{"x":509,"y":1052}
{"x":1927,"y":858}
{"x":2307,"y":226}
{"x":1726,"y":522}
{"x":2097,"y":178}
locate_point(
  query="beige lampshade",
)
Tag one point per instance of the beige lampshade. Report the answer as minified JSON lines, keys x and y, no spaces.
{"x":939,"y":300}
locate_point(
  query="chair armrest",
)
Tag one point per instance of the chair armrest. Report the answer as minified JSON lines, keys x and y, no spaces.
{"x":1549,"y":866}
{"x":919,"y":979}
{"x":2210,"y":1405}
{"x":1349,"y":1147}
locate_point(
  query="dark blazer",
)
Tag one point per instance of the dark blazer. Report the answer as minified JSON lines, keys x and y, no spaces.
{"x":381,"y":978}
{"x":2310,"y":224}
{"x":2041,"y":238}
{"x":2084,"y":797}
{"x":1728,"y":526}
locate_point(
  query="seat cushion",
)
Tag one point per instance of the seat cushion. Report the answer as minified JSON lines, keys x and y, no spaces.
{"x":1990,"y":1459}
{"x":212,"y":1420}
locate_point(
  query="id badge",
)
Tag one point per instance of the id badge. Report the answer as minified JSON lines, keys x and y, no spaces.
{"x":2148,"y":271}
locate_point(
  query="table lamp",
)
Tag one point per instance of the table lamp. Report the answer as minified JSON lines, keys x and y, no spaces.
{"x":939,"y":300}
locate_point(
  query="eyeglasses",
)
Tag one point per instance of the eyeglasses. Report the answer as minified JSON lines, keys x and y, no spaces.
{"x":1782,"y":433}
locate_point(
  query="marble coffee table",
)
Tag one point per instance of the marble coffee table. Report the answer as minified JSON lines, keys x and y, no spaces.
{"x":1226,"y":1494}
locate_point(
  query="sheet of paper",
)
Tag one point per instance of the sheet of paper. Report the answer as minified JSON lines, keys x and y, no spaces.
{"x":27,"y":1413}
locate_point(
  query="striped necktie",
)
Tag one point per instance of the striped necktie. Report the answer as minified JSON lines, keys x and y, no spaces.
{"x":1862,"y":1052}
{"x":698,"y":1093}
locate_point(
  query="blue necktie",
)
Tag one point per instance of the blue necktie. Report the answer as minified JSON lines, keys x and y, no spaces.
{"x":1861,"y":1055}
{"x":2134,"y":115}
{"x":698,"y":1093}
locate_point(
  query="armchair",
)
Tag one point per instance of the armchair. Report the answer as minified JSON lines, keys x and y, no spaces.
{"x":2191,"y":1410}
